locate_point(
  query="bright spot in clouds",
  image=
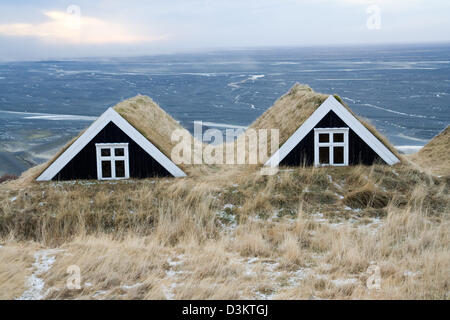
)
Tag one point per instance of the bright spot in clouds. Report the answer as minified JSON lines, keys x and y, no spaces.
{"x":74,"y":28}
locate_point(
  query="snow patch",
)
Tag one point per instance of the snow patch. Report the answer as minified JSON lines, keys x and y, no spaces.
{"x":357,"y":210}
{"x":168,"y":291}
{"x":339,"y":196}
{"x":99,"y":293}
{"x":344,"y":282}
{"x":172,"y":275}
{"x":337,"y":185}
{"x":298,"y":276}
{"x":264,"y":296}
{"x":44,"y":260}
{"x":248,"y":266}
{"x":227,"y":219}
{"x":136,"y":285}
{"x":173,"y":263}
{"x":411,"y":274}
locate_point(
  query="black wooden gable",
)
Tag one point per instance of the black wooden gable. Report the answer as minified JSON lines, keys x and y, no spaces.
{"x":303,"y":153}
{"x":84,"y":164}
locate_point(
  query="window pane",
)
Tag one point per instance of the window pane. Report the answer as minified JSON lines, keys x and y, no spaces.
{"x":106,"y":152}
{"x":324,"y":155}
{"x":106,"y":169}
{"x":338,"y":137}
{"x":338,"y":155}
{"x":119,"y":152}
{"x":324,"y":137}
{"x":120,"y":169}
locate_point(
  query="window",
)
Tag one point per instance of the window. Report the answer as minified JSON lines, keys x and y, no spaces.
{"x":106,"y":169}
{"x":112,"y":161}
{"x":324,"y":155}
{"x":331,"y":146}
{"x":119,"y":152}
{"x":324,"y":137}
{"x":338,"y":137}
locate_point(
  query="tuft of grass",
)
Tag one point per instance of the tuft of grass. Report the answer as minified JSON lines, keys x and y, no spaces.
{"x":367,"y":196}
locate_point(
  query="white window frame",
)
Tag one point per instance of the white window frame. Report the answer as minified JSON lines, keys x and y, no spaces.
{"x":331,"y":144}
{"x":112,"y":158}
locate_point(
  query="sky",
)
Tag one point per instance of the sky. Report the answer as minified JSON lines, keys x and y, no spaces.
{"x":44,"y":29}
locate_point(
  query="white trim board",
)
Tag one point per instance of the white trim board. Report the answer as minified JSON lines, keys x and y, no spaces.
{"x":109,"y":115}
{"x":331,"y":104}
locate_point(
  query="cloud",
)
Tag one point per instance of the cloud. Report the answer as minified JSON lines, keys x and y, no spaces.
{"x":71,"y":27}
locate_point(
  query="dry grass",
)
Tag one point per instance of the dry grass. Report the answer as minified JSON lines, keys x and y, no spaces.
{"x":234,"y":234}
{"x":367,"y":196}
{"x":15,"y":262}
{"x":152,"y":121}
{"x":228,"y":232}
{"x":299,"y":103}
{"x":434,"y":158}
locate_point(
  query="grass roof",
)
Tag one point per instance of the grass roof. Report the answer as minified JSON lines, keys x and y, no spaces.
{"x":290,"y":111}
{"x":151,"y":121}
{"x":434,"y":156}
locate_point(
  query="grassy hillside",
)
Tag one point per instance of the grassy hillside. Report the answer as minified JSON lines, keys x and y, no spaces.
{"x":233,"y":234}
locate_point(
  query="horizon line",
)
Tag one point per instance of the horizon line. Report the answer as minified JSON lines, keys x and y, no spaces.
{"x":231,"y":49}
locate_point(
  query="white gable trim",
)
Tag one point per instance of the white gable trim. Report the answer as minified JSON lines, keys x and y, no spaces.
{"x":109,"y":115}
{"x":332,"y":104}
